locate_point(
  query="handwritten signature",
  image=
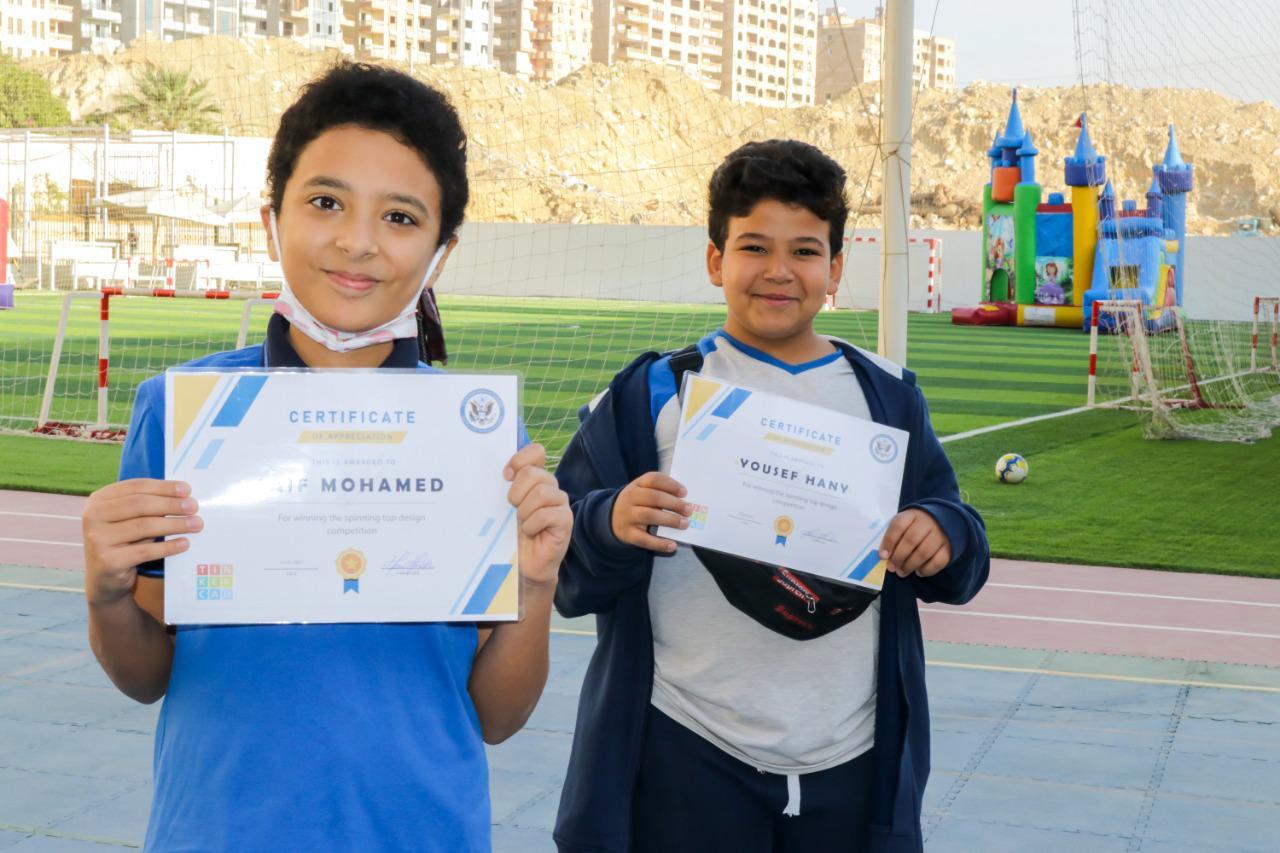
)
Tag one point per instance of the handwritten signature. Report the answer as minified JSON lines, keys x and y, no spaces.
{"x":410,"y":561}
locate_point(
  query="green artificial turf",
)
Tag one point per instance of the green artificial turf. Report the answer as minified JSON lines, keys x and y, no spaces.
{"x":33,"y":463}
{"x":1098,"y":492}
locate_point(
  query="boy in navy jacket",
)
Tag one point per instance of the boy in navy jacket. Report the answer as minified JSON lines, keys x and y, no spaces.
{"x":699,"y":728}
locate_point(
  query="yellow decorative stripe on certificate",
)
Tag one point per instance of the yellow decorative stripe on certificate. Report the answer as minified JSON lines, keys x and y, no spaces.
{"x":799,"y":443}
{"x":348,"y":436}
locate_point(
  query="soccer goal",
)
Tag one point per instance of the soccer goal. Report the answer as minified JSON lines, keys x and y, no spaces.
{"x":77,"y":357}
{"x":1187,"y":378}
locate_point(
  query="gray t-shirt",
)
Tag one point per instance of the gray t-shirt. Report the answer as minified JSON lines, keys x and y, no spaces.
{"x":778,"y":704}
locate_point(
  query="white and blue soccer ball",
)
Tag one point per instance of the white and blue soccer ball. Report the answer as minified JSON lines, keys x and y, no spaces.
{"x":1011,"y":468}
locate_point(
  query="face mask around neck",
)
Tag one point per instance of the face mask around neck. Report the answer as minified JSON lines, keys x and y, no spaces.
{"x":403,"y":325}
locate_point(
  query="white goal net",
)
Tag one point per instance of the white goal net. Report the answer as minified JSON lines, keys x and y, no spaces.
{"x":1217,"y":380}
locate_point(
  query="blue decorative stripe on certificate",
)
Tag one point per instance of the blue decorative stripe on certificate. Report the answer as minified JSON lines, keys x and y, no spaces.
{"x":730,"y":404}
{"x":242,"y":397}
{"x":864,"y":568}
{"x":702,"y":436}
{"x":488,"y":525}
{"x":866,"y":552}
{"x":218,"y":397}
{"x":206,"y":458}
{"x":487,"y":589}
{"x":708,"y":409}
{"x":484,"y":559}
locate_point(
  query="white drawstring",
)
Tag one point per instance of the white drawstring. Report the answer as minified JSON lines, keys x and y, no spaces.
{"x":793,"y":796}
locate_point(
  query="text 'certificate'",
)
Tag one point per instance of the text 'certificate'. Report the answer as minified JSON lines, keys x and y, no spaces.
{"x":343,"y":496}
{"x":786,"y":483}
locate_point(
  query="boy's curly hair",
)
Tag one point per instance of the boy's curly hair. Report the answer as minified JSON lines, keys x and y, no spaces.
{"x":378,"y":98}
{"x":784,"y":170}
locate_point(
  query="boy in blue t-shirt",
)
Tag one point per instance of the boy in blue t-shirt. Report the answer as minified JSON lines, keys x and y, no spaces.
{"x":327,"y":737}
{"x":706,"y":723}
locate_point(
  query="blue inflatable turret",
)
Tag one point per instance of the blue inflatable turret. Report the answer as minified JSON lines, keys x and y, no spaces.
{"x":1175,"y":179}
{"x":1107,"y":203}
{"x":1155,"y":201}
{"x":1085,"y":168}
{"x":1027,"y":159}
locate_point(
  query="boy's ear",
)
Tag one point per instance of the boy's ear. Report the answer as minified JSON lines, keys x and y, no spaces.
{"x":715,"y":263}
{"x":837,"y":270}
{"x":448,"y":250}
{"x":272,"y":251}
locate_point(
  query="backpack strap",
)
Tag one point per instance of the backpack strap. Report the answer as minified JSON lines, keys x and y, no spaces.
{"x":684,"y":360}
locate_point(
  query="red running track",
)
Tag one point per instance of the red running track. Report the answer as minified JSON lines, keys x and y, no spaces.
{"x":1024,"y":605}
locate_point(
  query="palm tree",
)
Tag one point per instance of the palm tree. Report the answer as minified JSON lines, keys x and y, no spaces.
{"x":169,"y":100}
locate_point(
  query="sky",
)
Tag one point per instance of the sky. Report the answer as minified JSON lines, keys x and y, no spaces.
{"x":1231,"y":46}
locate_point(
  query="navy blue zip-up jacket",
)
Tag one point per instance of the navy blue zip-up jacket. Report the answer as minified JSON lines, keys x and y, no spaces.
{"x":605,"y":576}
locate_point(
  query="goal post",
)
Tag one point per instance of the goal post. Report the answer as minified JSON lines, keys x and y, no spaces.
{"x":1266,"y":311}
{"x":92,"y":371}
{"x":1187,"y":378}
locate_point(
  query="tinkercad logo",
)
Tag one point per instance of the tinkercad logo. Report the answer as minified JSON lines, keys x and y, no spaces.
{"x":214,"y":581}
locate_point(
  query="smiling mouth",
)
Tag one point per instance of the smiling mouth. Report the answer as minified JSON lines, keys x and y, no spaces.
{"x":351,"y":281}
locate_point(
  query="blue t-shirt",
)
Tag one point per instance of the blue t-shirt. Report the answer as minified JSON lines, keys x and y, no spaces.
{"x":311,"y":737}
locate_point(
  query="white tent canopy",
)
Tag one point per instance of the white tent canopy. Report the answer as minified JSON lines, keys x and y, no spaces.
{"x":168,"y":204}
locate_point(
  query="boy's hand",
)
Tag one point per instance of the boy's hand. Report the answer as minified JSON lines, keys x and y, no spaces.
{"x":120,"y":523}
{"x":650,"y":499}
{"x":542,"y":511}
{"x":915,"y":544}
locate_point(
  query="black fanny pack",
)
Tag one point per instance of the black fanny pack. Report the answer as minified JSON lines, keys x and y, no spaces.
{"x":792,"y":603}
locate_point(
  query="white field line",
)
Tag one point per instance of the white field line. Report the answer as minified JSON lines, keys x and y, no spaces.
{"x":1134,"y":594}
{"x":76,"y":544}
{"x":572,"y":632}
{"x":41,"y":587}
{"x":1102,"y":676}
{"x":1096,"y":676}
{"x":960,"y":436}
{"x":1112,"y":404}
{"x":953,"y":611}
{"x":41,"y":515}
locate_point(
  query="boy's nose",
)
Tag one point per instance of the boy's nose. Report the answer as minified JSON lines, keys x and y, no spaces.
{"x":356,"y":238}
{"x":778,"y":269}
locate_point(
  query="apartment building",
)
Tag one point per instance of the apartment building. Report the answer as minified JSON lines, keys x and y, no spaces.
{"x":30,"y":28}
{"x":770,"y":52}
{"x":850,"y":53}
{"x":305,"y":20}
{"x":543,"y":39}
{"x":684,"y":34}
{"x":169,"y":20}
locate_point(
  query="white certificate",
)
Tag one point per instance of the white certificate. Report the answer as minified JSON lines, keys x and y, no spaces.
{"x":343,"y":496}
{"x":786,"y":483}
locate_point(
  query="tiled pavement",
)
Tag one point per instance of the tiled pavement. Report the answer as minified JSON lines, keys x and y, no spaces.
{"x":1032,"y":750}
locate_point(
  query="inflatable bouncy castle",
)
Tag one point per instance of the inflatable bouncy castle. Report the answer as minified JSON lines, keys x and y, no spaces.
{"x":1045,"y":260}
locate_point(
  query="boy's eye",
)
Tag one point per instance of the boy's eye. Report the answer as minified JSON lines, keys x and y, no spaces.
{"x":399,"y":217}
{"x":325,"y":202}
{"x":753,"y":248}
{"x":807,"y":252}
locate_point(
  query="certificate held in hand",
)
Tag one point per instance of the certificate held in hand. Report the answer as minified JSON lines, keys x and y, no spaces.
{"x":786,"y":483}
{"x":343,"y":496}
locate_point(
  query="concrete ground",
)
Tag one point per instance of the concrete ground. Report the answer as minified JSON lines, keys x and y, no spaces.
{"x":1033,"y":750}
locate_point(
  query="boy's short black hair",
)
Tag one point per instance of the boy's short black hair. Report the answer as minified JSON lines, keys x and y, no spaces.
{"x":783,"y":170}
{"x":377,"y":98}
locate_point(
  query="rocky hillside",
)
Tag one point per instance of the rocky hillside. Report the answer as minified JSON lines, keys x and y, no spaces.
{"x":636,"y":143}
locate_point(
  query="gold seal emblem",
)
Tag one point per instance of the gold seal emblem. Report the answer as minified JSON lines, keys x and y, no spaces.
{"x":351,"y":564}
{"x":783,"y":526}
